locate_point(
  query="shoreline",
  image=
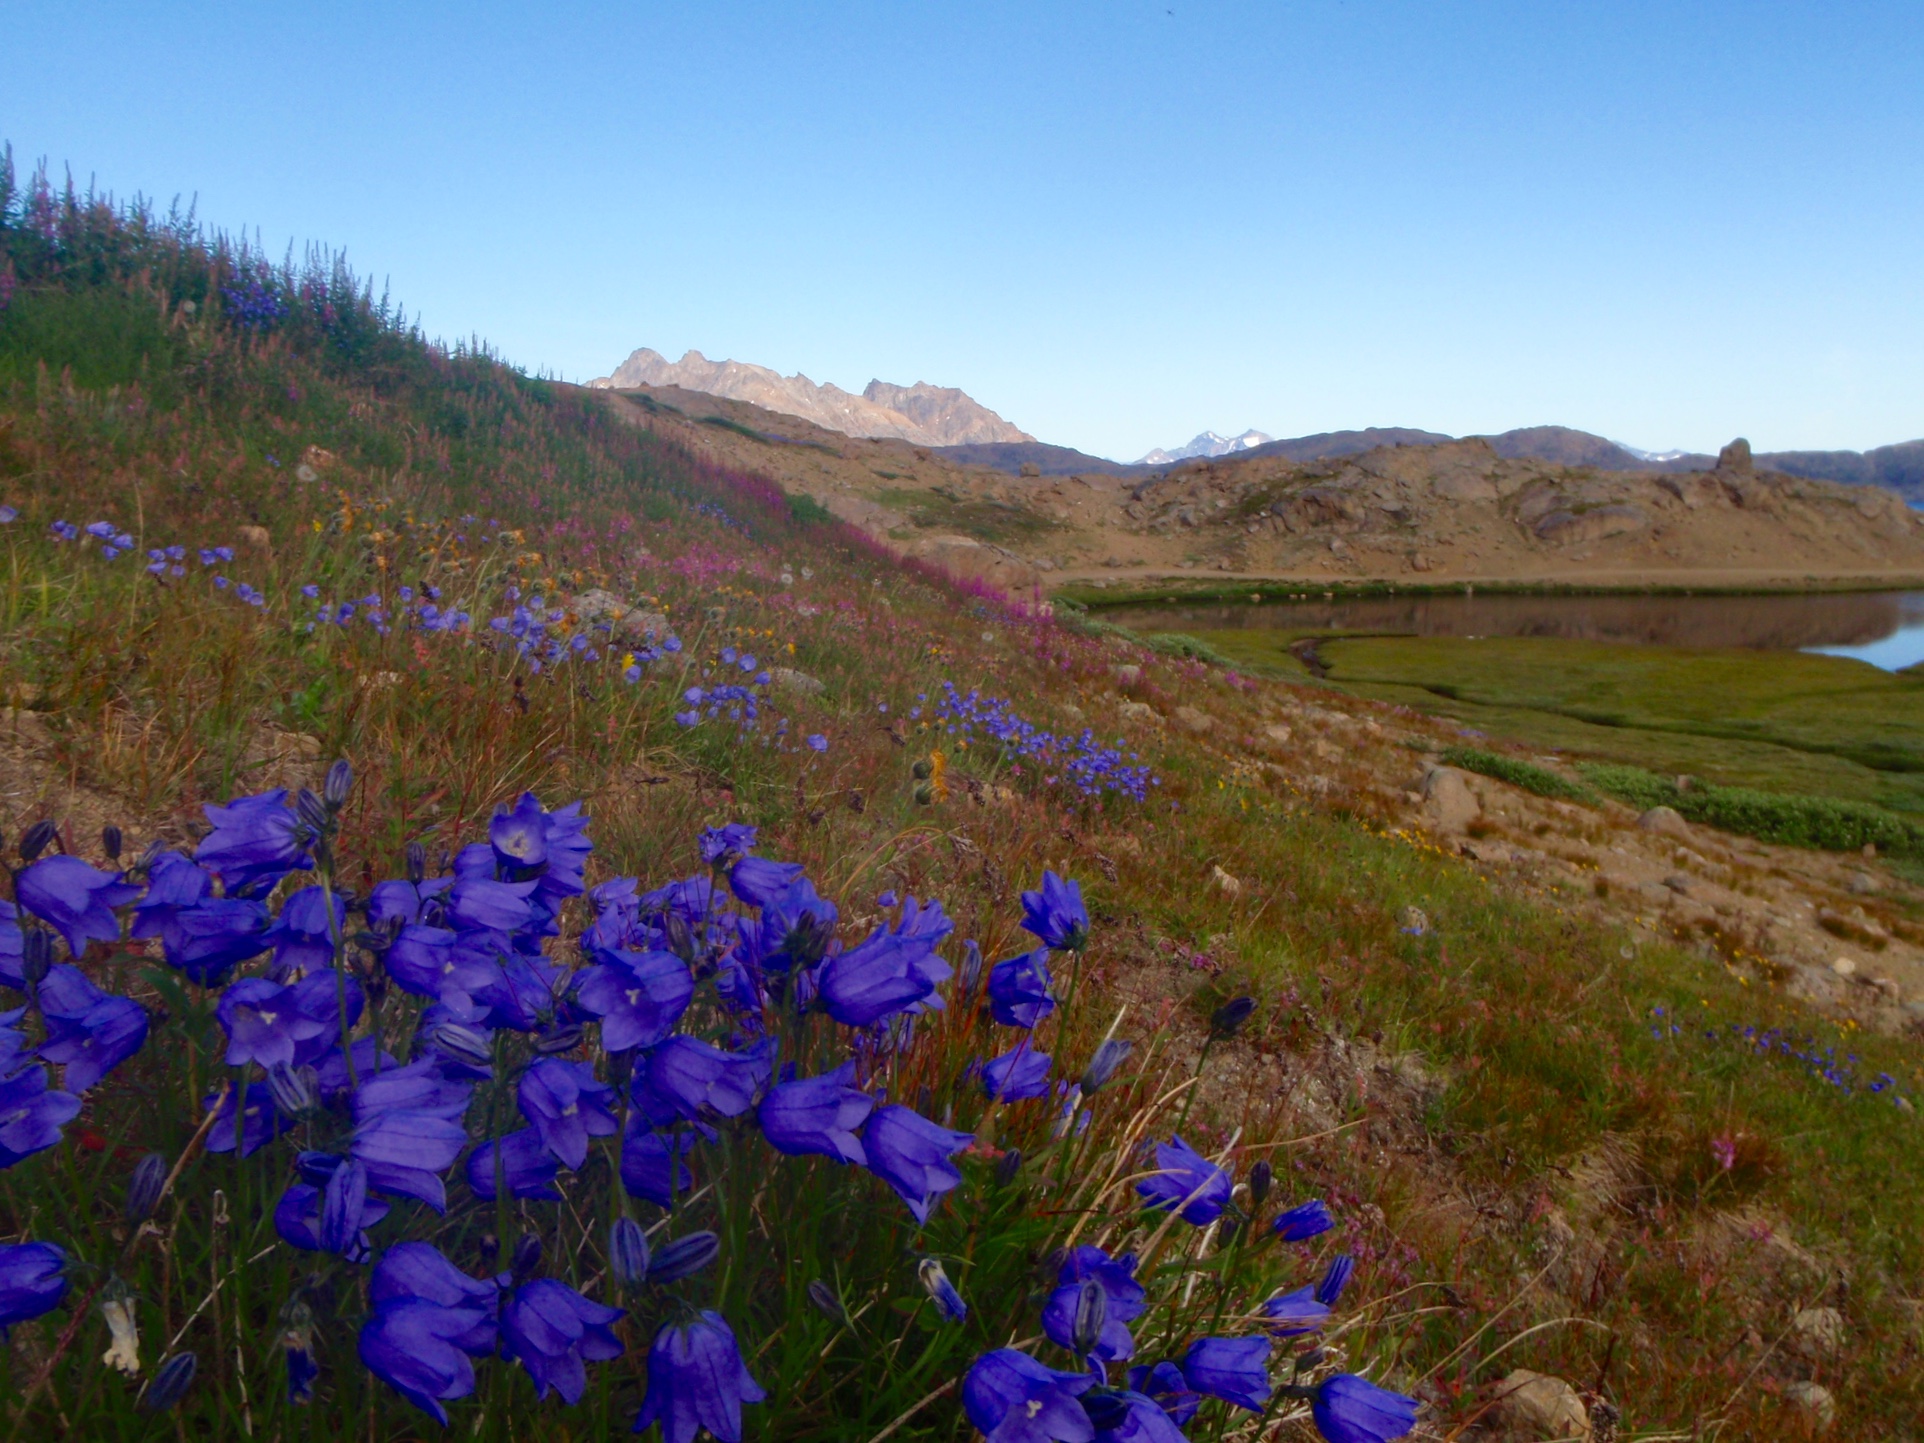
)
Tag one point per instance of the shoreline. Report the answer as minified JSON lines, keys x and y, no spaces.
{"x":1281,"y":590}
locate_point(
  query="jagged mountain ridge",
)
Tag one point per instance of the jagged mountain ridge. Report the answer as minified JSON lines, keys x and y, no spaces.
{"x":922,"y":414}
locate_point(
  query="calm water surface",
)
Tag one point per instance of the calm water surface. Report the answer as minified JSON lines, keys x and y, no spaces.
{"x":1884,"y":628}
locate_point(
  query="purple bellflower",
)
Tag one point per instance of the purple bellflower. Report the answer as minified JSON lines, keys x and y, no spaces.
{"x":31,"y":1115}
{"x":1166,"y":1386}
{"x":1019,"y":993}
{"x":697,"y":1380}
{"x":75,"y":899}
{"x":210,"y":939}
{"x":719,"y":844}
{"x":911,"y":1154}
{"x":817,"y":1114}
{"x":259,"y":1123}
{"x":645,"y":1161}
{"x":255,"y":842}
{"x":639,"y":996}
{"x":889,"y":971}
{"x":428,"y":1319}
{"x":762,"y":883}
{"x":1233,"y":1369}
{"x":689,"y":1079}
{"x":1011,"y":1398}
{"x":526,"y":1165}
{"x":269,"y":1024}
{"x":1016,"y":1075}
{"x":33,"y":1280}
{"x":1124,"y":1294}
{"x":89,"y":1031}
{"x":1055,"y":914}
{"x":554,"y":1332}
{"x":1349,"y":1409}
{"x":300,"y":937}
{"x":1131,"y":1417}
{"x":567,"y":1107}
{"x":1303,"y":1222}
{"x":1186,"y":1180}
{"x":333,"y":1219}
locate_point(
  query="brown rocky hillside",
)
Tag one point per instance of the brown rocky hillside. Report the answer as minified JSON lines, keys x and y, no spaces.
{"x":1452,"y":512}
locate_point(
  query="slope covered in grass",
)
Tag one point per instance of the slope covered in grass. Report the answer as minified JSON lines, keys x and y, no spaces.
{"x":342,"y":541}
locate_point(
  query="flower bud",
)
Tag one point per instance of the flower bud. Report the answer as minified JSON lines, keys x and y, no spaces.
{"x":628,"y":1252}
{"x":143,"y":1188}
{"x":1007,"y":1170}
{"x":36,"y":954}
{"x":681,"y":941}
{"x":35,"y":839}
{"x":827,"y":1303}
{"x":1108,"y":1408}
{"x":417,"y":862}
{"x":461,"y":1043}
{"x":807,"y":940}
{"x":560,"y":1038}
{"x":316,"y":1168}
{"x":1261,"y":1177}
{"x":312,"y":811}
{"x":684,"y":1257}
{"x":1228,"y":1019}
{"x":1335,"y":1279}
{"x":1110,"y":1056}
{"x":526,"y":1261}
{"x":110,"y":840}
{"x":948,"y":1302}
{"x":922,"y":770}
{"x":340,"y":781}
{"x":971,"y":973}
{"x":1092,"y":1311}
{"x":293,"y":1089}
{"x":170,"y":1383}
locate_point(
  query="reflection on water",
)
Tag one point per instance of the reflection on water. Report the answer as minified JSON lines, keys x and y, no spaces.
{"x":1884,"y":628}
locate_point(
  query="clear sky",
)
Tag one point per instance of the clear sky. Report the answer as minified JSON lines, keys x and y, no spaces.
{"x":1117,"y":223}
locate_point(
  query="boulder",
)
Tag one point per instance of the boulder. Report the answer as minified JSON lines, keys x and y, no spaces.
{"x":1193,"y":721}
{"x":1815,"y":1402}
{"x":1128,"y":676}
{"x":1735,"y":456}
{"x":256,"y":537}
{"x":1817,"y":1332}
{"x":1229,"y":886}
{"x":1535,"y":1406}
{"x":1448,"y":800}
{"x":1140,"y":711}
{"x":967,"y":559}
{"x":1666,"y":821}
{"x":789,"y":679}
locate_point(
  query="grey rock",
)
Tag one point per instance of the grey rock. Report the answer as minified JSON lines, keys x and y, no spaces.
{"x":1196,"y":722}
{"x":1818,"y":1332}
{"x":1735,"y":456}
{"x":1814,"y":1401}
{"x":1448,"y":800}
{"x":1667,"y":821}
{"x":1533,"y":1406}
{"x":789,"y":679}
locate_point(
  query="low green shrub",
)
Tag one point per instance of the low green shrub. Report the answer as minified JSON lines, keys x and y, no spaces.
{"x":1193,"y":648}
{"x":1826,"y":824}
{"x":1536,"y":779}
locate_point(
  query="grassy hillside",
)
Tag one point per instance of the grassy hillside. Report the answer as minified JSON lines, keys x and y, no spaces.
{"x":1543,"y":1147}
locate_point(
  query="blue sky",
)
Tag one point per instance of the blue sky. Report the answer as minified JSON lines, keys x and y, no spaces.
{"x":1117,"y":223}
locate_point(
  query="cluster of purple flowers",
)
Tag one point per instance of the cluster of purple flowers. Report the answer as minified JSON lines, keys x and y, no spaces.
{"x":255,"y":304}
{"x":1823,"y":1063}
{"x":1108,"y":1398}
{"x":740,"y":703}
{"x":1091,"y":767}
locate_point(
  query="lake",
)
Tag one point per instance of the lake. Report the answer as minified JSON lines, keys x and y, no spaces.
{"x":1884,"y":628}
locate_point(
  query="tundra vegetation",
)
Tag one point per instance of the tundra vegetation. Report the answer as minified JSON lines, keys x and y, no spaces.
{"x":511,"y":923}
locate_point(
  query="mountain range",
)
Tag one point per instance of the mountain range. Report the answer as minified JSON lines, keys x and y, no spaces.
{"x":1208,"y":444}
{"x":922,"y":414}
{"x":946,"y":419}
